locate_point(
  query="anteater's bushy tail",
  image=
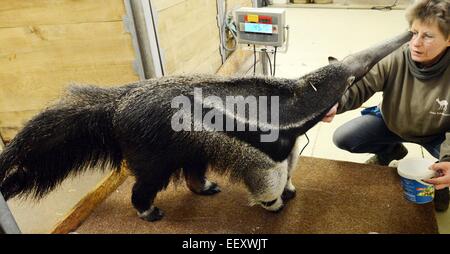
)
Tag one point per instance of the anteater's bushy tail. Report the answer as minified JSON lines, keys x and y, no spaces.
{"x":64,"y":139}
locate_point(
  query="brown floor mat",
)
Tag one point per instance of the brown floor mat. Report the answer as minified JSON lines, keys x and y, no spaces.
{"x":332,"y":197}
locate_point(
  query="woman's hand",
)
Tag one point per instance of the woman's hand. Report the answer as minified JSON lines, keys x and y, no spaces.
{"x":330,"y":115}
{"x":443,"y":171}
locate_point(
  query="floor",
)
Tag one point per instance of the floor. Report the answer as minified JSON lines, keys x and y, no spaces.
{"x":315,"y":34}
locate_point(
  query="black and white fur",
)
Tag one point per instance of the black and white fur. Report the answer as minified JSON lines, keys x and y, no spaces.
{"x":92,"y":126}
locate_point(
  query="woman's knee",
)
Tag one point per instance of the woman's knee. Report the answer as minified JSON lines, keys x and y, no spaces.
{"x":351,"y":134}
{"x":342,"y":138}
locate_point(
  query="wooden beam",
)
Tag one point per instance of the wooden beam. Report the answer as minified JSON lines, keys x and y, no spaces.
{"x":235,"y":62}
{"x":85,"y":206}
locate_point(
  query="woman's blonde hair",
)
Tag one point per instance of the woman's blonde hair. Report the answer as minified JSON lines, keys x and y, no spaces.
{"x":430,"y":11}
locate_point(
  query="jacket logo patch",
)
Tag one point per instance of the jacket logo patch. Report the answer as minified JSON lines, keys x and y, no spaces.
{"x":442,"y":105}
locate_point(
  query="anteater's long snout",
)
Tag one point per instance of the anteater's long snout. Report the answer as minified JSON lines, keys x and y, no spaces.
{"x":361,"y":62}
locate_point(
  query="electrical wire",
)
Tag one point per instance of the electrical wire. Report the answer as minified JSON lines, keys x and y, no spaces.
{"x":272,"y":69}
{"x":228,"y":25}
{"x":270,"y":62}
{"x":305,"y":145}
{"x":254,"y":59}
{"x":257,"y":61}
{"x":274,"y":60}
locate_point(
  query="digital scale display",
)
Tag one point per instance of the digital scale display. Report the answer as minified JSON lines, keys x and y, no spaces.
{"x":258,"y":28}
{"x":261,"y":26}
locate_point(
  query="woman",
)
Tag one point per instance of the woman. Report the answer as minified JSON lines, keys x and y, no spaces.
{"x":415,"y":81}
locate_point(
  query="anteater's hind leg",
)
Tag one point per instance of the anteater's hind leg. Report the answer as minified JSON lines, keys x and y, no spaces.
{"x":289,"y":191}
{"x":150,"y":179}
{"x":264,"y":178}
{"x":194,"y":173}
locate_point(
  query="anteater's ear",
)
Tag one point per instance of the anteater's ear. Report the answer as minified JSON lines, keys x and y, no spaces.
{"x":350,"y":80}
{"x":332,"y":60}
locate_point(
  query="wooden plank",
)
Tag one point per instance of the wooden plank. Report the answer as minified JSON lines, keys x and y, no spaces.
{"x":235,"y":62}
{"x":186,"y":32}
{"x":15,"y":13}
{"x":189,"y":35}
{"x":54,"y":43}
{"x":37,"y":63}
{"x":85,"y":206}
{"x":35,"y":92}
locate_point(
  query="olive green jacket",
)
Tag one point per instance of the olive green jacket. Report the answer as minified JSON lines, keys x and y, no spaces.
{"x":416,"y":110}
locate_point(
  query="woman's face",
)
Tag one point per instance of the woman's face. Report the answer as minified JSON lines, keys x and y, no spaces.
{"x":428,"y":43}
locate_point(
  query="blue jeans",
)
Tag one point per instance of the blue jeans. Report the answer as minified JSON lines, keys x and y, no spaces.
{"x":369,"y":134}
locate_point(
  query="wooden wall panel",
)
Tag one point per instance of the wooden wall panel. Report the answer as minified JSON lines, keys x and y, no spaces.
{"x":189,"y":35}
{"x":41,"y":60}
{"x":46,"y":45}
{"x":185,"y":30}
{"x":14,"y":13}
{"x":161,"y":5}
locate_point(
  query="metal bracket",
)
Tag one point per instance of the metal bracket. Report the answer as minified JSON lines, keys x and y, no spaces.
{"x":8,"y":224}
{"x":128,"y":21}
